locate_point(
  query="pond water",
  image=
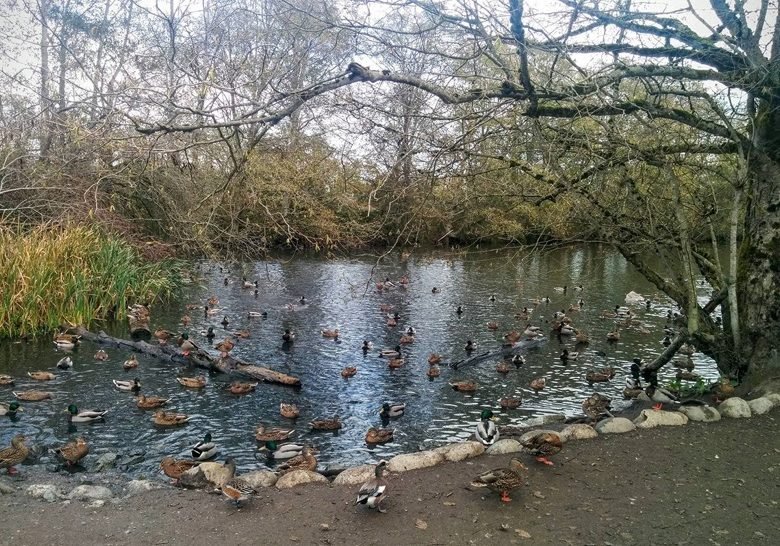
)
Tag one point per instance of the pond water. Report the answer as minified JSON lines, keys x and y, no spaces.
{"x":341,"y":294}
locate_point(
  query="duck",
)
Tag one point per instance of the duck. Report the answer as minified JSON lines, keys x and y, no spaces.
{"x":614,"y":334}
{"x":633,"y":386}
{"x":348,"y":371}
{"x":684,"y":375}
{"x":65,"y":363}
{"x":163,"y":335}
{"x":434,"y":290}
{"x":374,"y":491}
{"x":225,"y":346}
{"x":392,"y":410}
{"x":492,"y":298}
{"x":64,"y":343}
{"x":86,"y":416}
{"x":174,"y":468}
{"x":127,"y":386}
{"x":234,"y":488}
{"x":503,"y":367}
{"x":212,"y":301}
{"x":684,"y":364}
{"x":379,"y":435}
{"x":101,"y":355}
{"x":538,"y":383}
{"x":391,"y":353}
{"x":567,"y":330}
{"x":687,"y":349}
{"x":459,"y":310}
{"x":466,"y":385}
{"x":9,"y":410}
{"x":73,"y":452}
{"x":268,"y":434}
{"x":503,"y":480}
{"x":185,"y":320}
{"x":169,"y":418}
{"x":14,"y":454}
{"x":722,"y":390}
{"x":542,"y":445}
{"x":257,"y":314}
{"x":532,"y":332}
{"x":224,"y":322}
{"x":209,"y":334}
{"x":367,"y":345}
{"x":599,"y":376}
{"x":330,"y":333}
{"x":32,"y":396}
{"x":395,"y":363}
{"x":487,"y":431}
{"x":510,"y":402}
{"x":290,"y":411}
{"x":518,"y":361}
{"x":596,"y":405}
{"x":276,"y":452}
{"x":510,"y":338}
{"x":151,"y":402}
{"x":567,"y":355}
{"x":288,"y":336}
{"x":434,"y":371}
{"x":205,"y":449}
{"x":192,"y":382}
{"x":130,"y":363}
{"x":41,"y":375}
{"x":238,"y":387}
{"x":666,"y":341}
{"x":248,"y":284}
{"x":6,"y":381}
{"x":305,"y":461}
{"x":470,"y":346}
{"x":659,"y":395}
{"x":434,"y":359}
{"x":186,"y":345}
{"x":492,"y":325}
{"x":333,"y":423}
{"x":582,"y":338}
{"x":406,"y":339}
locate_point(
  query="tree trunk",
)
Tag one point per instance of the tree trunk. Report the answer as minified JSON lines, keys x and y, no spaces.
{"x":45,"y":129}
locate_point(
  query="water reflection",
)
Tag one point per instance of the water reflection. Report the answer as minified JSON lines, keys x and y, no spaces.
{"x":341,"y":294}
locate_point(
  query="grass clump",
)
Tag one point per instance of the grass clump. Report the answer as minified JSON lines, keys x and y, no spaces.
{"x":50,"y":275}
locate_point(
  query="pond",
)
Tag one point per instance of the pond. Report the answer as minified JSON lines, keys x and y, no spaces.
{"x":490,"y":286}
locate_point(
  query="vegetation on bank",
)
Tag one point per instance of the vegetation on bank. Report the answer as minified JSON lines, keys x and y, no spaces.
{"x":78,"y":274}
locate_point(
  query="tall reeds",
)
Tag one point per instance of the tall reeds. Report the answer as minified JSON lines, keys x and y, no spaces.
{"x":51,"y":275}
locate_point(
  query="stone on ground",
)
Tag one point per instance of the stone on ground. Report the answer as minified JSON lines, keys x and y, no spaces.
{"x":760,"y":406}
{"x":260,"y":478}
{"x":660,"y":418}
{"x":533,"y":433}
{"x":578,"y":431}
{"x":90,"y":493}
{"x":45,"y":491}
{"x":205,"y":475}
{"x":300,"y":477}
{"x":774,"y":398}
{"x":357,"y":475}
{"x":460,"y":451}
{"x":413,"y":461}
{"x":615,"y":425}
{"x":736,"y":408}
{"x":135,"y":487}
{"x":704,"y":414}
{"x":504,"y":446}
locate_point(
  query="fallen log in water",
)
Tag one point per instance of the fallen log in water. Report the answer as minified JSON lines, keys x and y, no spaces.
{"x":502,"y":352}
{"x":200,"y":358}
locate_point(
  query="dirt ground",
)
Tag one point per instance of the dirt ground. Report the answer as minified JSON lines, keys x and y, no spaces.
{"x":699,"y":484}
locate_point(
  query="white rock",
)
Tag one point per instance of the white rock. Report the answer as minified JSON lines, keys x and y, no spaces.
{"x":544,"y":420}
{"x":633,"y":298}
{"x":533,"y":433}
{"x":508,"y":445}
{"x":6,"y":489}
{"x":205,"y":475}
{"x":413,"y":461}
{"x":774,"y":398}
{"x":653,"y":418}
{"x":97,"y":503}
{"x":135,"y":487}
{"x":260,"y":478}
{"x":300,"y":477}
{"x":90,"y":492}
{"x":705,"y":414}
{"x":579,"y":431}
{"x":357,"y":475}
{"x":615,"y":425}
{"x":45,"y":491}
{"x":460,"y":451}
{"x":760,"y":406}
{"x":736,"y":408}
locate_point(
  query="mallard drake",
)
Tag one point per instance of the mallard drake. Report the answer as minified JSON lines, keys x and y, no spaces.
{"x":209,"y":334}
{"x":391,"y":353}
{"x":175,"y":468}
{"x":163,"y":335}
{"x":281,"y":452}
{"x":567,"y":355}
{"x":265,"y":434}
{"x":65,"y":344}
{"x":599,"y":376}
{"x":487,"y":431}
{"x":379,"y":435}
{"x":503,"y":480}
{"x":492,"y":325}
{"x":542,"y":445}
{"x":41,"y":375}
{"x":348,"y":372}
{"x":633,"y":386}
{"x":470,"y":346}
{"x":366,"y":346}
{"x":205,"y":449}
{"x":467,"y":385}
{"x":73,"y":452}
{"x":510,"y":402}
{"x":238,"y":387}
{"x":567,"y":330}
{"x":101,"y":355}
{"x":290,"y":411}
{"x":614,"y":334}
{"x":151,"y":402}
{"x":192,"y":382}
{"x":65,"y":363}
{"x":305,"y":461}
{"x":127,"y":386}
{"x":330,"y":333}
{"x":288,"y":336}
{"x":6,"y":381}
{"x":9,"y":410}
{"x":326,"y":424}
{"x":130,"y":363}
{"x":225,"y":346}
{"x":434,"y":371}
{"x":374,"y":491}
{"x":225,"y":322}
{"x":86,"y":416}
{"x":14,"y":454}
{"x":32,"y":396}
{"x":596,"y":405}
{"x":68,"y":341}
{"x":236,"y":489}
{"x":395,"y":363}
{"x":434,"y":358}
{"x":538,"y":383}
{"x":392,"y":410}
{"x":169,"y":418}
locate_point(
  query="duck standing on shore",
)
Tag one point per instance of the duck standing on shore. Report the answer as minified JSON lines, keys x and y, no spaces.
{"x":374,"y":491}
{"x":487,"y":431}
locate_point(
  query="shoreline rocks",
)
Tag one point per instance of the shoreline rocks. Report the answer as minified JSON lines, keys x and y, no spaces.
{"x":615,"y":425}
{"x":735,"y":408}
